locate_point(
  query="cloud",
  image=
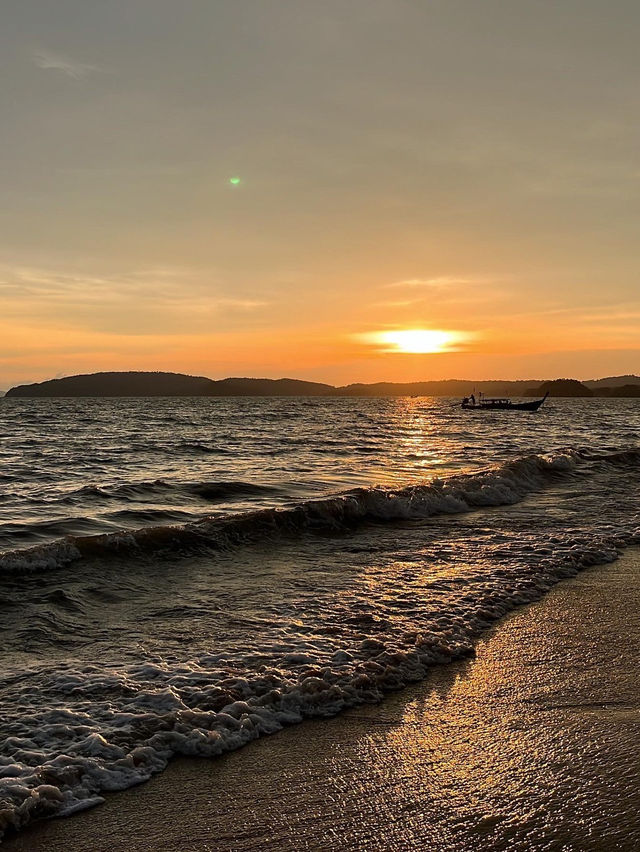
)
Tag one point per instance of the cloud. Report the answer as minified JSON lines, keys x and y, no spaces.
{"x":443,"y":281}
{"x":69,"y":67}
{"x":163,"y":284}
{"x":149,"y":299}
{"x":401,"y":303}
{"x":450,"y":290}
{"x":242,"y":304}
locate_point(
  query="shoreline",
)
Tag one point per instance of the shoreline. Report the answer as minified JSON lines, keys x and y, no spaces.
{"x":533,"y":743}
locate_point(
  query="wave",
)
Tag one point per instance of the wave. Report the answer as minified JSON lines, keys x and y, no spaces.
{"x":147,"y":490}
{"x":198,"y":448}
{"x":498,"y":486}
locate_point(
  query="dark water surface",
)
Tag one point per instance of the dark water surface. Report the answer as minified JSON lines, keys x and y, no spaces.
{"x":182,"y":576}
{"x":95,"y":465}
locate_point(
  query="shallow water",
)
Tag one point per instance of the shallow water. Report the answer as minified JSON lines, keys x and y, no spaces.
{"x":531,"y":744}
{"x":293,"y":587}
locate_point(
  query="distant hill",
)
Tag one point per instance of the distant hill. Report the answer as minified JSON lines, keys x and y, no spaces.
{"x":268,"y":387}
{"x":572,"y":388}
{"x":142,"y":384}
{"x":613,"y":382}
{"x":116,"y":384}
{"x":147,"y":384}
{"x":561,"y":387}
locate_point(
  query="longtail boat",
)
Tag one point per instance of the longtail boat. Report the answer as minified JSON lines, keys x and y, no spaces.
{"x":470,"y":403}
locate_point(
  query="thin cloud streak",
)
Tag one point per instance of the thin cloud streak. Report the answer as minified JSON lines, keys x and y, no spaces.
{"x":166,"y":289}
{"x":48,"y":61}
{"x":445,"y":281}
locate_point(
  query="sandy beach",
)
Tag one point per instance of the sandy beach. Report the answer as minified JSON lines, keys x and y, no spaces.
{"x":532,"y":744}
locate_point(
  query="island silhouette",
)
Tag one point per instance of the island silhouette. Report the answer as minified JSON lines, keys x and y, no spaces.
{"x":157,"y":384}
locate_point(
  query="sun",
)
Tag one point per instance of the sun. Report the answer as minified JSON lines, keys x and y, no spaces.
{"x":419,"y":340}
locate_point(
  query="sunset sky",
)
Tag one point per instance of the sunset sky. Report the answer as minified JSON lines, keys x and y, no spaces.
{"x":468,"y":167}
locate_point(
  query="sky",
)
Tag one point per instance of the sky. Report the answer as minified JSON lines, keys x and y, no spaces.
{"x":283,"y":187}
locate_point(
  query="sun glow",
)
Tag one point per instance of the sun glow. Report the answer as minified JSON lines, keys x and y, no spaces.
{"x":417,"y":340}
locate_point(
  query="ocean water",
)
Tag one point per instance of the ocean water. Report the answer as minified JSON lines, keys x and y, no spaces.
{"x":183,"y":576}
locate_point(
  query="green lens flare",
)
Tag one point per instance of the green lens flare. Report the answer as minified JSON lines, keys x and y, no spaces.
{"x":234,"y":180}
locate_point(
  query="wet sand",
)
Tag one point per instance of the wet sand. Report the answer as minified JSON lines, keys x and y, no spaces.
{"x":533,"y":744}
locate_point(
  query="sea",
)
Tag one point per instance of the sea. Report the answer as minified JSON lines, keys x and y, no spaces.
{"x":183,"y":576}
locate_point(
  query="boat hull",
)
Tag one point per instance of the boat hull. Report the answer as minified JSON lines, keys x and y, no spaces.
{"x":534,"y":405}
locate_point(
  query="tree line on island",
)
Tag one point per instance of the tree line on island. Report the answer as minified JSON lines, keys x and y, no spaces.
{"x":150,"y":384}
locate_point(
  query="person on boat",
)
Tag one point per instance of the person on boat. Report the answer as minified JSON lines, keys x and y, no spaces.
{"x":473,"y":399}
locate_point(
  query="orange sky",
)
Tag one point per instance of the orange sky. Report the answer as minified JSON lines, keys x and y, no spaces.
{"x":446,"y":166}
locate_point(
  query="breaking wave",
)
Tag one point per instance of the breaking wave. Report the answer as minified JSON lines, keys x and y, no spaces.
{"x":492,"y":487}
